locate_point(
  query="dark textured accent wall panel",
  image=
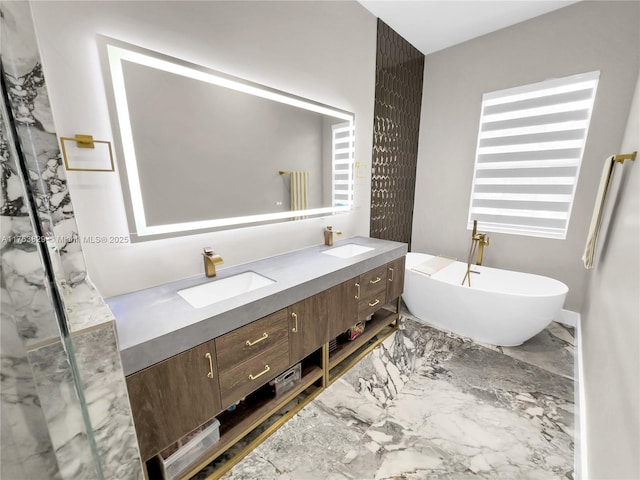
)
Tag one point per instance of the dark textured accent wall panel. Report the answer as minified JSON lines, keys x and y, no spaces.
{"x":396,"y":124}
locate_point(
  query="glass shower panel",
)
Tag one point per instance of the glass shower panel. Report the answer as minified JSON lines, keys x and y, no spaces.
{"x":45,"y":426}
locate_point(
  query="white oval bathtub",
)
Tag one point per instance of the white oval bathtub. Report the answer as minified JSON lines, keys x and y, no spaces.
{"x":501,"y":307}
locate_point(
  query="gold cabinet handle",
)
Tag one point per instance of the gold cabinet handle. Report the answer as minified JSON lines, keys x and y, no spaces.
{"x":374,"y":303}
{"x":391,"y":270}
{"x":264,"y":336}
{"x":295,"y":317}
{"x":373,"y":282}
{"x":266,"y":369}
{"x":210,"y":374}
{"x":358,"y":294}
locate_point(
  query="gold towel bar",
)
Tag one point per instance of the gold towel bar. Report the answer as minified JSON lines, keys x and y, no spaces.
{"x":282,"y":172}
{"x":627,"y":156}
{"x":85,"y":141}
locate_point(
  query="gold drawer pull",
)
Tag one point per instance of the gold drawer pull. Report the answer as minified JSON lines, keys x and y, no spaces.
{"x":295,"y":317}
{"x":373,"y":304}
{"x":373,"y":282}
{"x":264,"y":336}
{"x":358,"y":294}
{"x":266,"y":369}
{"x":210,"y":374}
{"x":391,"y":270}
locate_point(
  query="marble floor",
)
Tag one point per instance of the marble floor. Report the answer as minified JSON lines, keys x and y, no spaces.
{"x":430,"y":404}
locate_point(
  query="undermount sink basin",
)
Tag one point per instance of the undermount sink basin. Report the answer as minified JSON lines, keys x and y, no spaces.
{"x":347,"y":251}
{"x":223,"y":289}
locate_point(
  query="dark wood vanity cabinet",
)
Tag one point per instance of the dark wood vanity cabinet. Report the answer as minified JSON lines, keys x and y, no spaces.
{"x":372,"y":292}
{"x":316,"y":320}
{"x":246,"y":342}
{"x":309,"y":322}
{"x":395,"y":278}
{"x":173,"y":397}
{"x":343,"y":310}
{"x":358,"y":298}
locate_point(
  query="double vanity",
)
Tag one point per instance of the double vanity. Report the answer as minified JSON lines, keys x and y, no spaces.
{"x":198,"y":348}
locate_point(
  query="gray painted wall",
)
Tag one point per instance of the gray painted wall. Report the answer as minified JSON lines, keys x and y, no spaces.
{"x":580,"y":38}
{"x":611,"y":327}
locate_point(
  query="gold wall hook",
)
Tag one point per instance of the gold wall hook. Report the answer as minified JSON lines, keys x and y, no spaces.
{"x":625,"y":156}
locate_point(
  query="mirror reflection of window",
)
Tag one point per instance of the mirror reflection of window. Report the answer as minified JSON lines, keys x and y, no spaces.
{"x":342,"y":149}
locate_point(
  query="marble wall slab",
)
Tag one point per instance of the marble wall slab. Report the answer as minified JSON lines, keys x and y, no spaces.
{"x":47,"y":177}
{"x":27,"y":318}
{"x":27,"y":451}
{"x":47,"y":428}
{"x":59,"y":398}
{"x":22,"y":267}
{"x":105,"y":396}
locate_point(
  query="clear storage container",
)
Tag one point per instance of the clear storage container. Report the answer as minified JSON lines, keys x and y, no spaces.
{"x":286,"y":380}
{"x":175,"y":459}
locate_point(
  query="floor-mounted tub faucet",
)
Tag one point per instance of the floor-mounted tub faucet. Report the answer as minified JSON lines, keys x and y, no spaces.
{"x":210,"y":261}
{"x":478,"y":241}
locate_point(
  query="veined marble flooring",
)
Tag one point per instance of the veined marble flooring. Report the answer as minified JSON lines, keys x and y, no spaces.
{"x":430,"y":404}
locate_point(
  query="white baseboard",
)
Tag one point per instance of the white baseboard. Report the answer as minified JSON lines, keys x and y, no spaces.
{"x":581,"y":466}
{"x":569,"y":318}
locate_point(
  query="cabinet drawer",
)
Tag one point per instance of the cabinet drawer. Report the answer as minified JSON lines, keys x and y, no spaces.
{"x":244,"y":378}
{"x":246,"y":342}
{"x":373,"y":282}
{"x":366,"y":306}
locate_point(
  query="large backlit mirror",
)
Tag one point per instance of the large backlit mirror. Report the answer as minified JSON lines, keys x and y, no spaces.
{"x":200,"y":150}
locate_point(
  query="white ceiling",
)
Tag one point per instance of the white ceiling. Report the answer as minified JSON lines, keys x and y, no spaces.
{"x":431,"y":25}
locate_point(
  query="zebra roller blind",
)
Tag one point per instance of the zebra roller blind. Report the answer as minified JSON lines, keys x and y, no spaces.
{"x":530,"y":146}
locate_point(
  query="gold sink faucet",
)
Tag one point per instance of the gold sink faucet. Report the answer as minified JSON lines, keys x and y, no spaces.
{"x":328,"y":235}
{"x":210,"y":261}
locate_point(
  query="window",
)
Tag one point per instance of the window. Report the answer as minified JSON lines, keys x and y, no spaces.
{"x":530,"y":147}
{"x":342,"y":155}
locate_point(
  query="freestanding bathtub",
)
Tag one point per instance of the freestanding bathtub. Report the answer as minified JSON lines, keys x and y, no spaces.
{"x":501,"y":307}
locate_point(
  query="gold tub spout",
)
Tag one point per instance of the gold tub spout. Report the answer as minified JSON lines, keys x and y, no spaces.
{"x":210,"y":261}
